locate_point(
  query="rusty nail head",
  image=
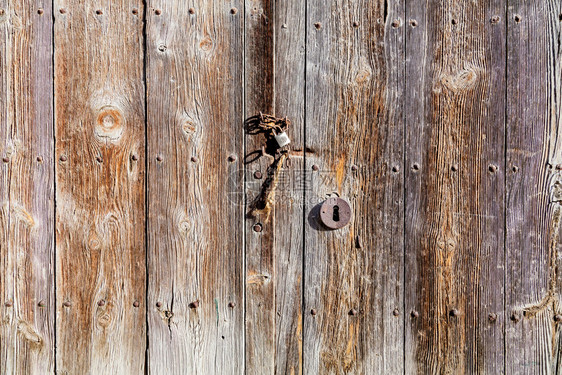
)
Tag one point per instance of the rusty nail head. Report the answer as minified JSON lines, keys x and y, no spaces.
{"x":313,"y":312}
{"x":5,"y":159}
{"x":233,"y":11}
{"x":135,"y":11}
{"x":158,"y":304}
{"x":352,"y":312}
{"x":558,"y":318}
{"x":191,"y":11}
{"x":354,"y":168}
{"x":231,"y":158}
{"x":62,"y":11}
{"x":101,"y":302}
{"x":194,"y":304}
{"x":134,"y":157}
{"x":492,"y":317}
{"x":395,"y":312}
{"x":41,"y":304}
{"x":455,"y":167}
{"x":99,"y":12}
{"x":157,"y":12}
{"x":258,"y":175}
{"x":492,"y":168}
{"x":231,"y":305}
{"x":515,"y":317}
{"x":258,"y":227}
{"x":414,"y":314}
{"x":314,"y":167}
{"x":66,"y":304}
{"x":194,"y":159}
{"x":39,"y":11}
{"x":335,"y":213}
{"x":318,"y":25}
{"x":39,"y":159}
{"x":158,"y":158}
{"x":136,"y":304}
{"x":355,"y":24}
{"x":62,"y":158}
{"x":9,"y":304}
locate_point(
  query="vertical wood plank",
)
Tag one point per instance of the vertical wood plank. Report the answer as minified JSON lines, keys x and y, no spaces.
{"x":26,"y":188}
{"x":274,"y":84}
{"x":354,"y":276}
{"x":455,"y":113}
{"x":195,"y":191}
{"x":533,"y":189}
{"x":100,"y":136}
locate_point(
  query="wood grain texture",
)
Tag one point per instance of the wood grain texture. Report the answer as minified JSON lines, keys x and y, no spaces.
{"x":100,"y":178}
{"x":533,"y":189}
{"x":195,"y":191}
{"x":26,"y":188}
{"x":455,"y":111}
{"x":354,"y":89}
{"x":274,"y":83}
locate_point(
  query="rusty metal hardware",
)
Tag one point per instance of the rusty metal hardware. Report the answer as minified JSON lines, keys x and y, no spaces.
{"x":335,"y":213}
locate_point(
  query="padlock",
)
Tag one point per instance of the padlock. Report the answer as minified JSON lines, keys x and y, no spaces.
{"x":282,"y":139}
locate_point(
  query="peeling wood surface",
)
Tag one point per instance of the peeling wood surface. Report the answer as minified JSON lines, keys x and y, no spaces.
{"x":127,"y":181}
{"x":26,"y":189}
{"x":100,"y":189}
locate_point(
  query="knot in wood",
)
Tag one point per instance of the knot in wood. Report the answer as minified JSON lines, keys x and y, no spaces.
{"x":110,"y":123}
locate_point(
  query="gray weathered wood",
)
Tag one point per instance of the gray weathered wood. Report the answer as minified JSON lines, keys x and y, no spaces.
{"x":26,"y":188}
{"x":533,"y":189}
{"x":100,"y":179}
{"x":274,"y":83}
{"x":354,"y":275}
{"x":195,"y":192}
{"x":455,"y":111}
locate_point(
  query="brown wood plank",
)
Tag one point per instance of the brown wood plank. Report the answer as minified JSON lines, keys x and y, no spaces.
{"x":455,"y":113}
{"x":534,"y":162}
{"x":195,"y":192}
{"x":274,"y":84}
{"x":354,"y":275}
{"x":100,"y":178}
{"x":26,"y":188}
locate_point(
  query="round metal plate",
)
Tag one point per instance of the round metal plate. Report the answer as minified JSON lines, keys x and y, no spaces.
{"x":335,"y":213}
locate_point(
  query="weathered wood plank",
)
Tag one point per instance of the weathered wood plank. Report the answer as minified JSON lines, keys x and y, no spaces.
{"x":100,"y":136}
{"x":274,"y":83}
{"x":534,"y":162}
{"x":195,"y":193}
{"x":26,"y":188}
{"x":354,"y":275}
{"x":455,"y":112}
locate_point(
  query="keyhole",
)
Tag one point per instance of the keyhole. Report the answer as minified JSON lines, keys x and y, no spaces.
{"x":336,"y":214}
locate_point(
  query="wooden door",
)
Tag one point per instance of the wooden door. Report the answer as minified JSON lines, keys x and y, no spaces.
{"x":146,"y":226}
